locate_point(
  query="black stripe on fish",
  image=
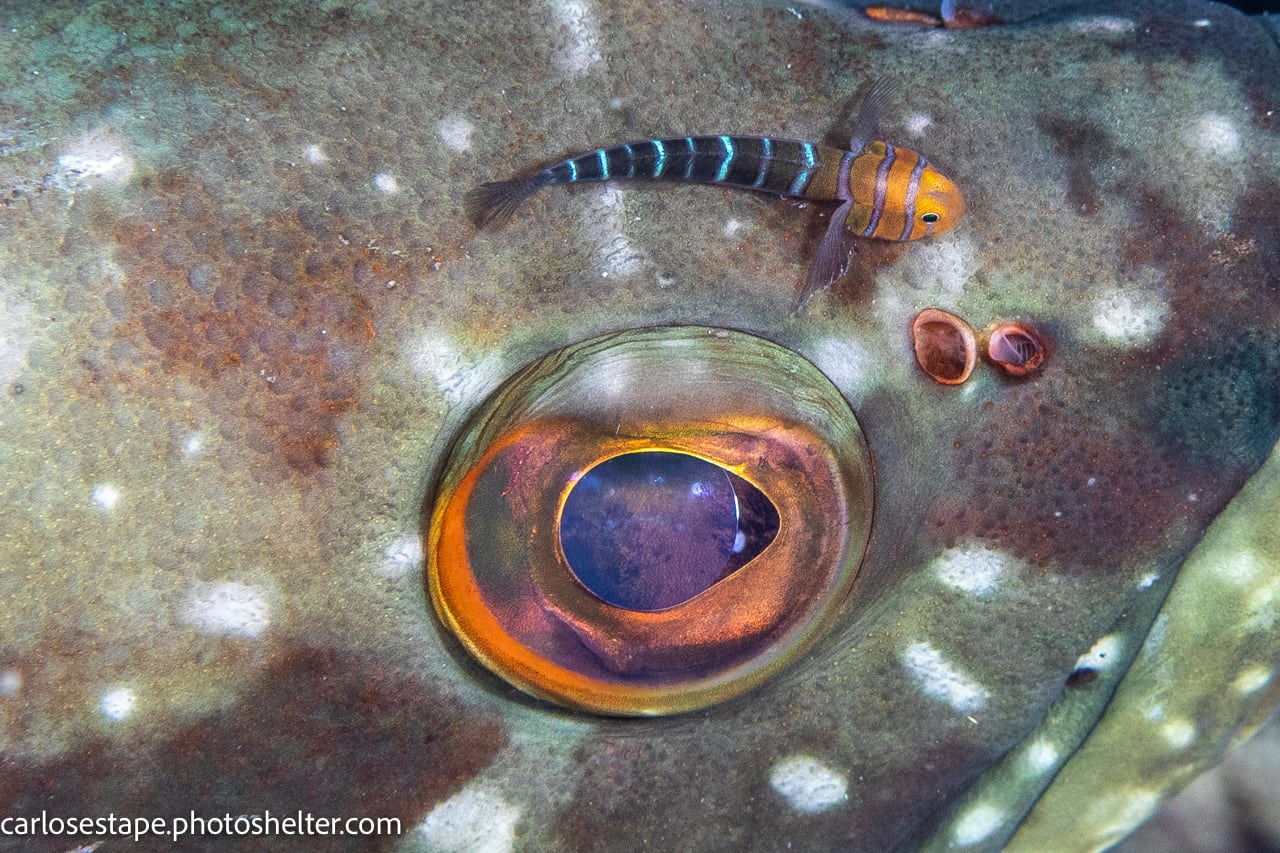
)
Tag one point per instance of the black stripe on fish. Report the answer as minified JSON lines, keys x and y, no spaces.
{"x":791,"y":165}
{"x":745,"y":165}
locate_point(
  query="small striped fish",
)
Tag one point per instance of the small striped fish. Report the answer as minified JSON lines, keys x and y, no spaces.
{"x":884,"y":191}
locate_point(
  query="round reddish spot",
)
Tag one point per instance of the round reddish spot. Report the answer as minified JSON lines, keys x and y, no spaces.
{"x":945,"y":346}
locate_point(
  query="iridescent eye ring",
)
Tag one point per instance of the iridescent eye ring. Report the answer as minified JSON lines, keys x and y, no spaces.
{"x":629,"y":546}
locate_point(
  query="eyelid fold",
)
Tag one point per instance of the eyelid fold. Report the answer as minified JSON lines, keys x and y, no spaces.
{"x":498,"y":576}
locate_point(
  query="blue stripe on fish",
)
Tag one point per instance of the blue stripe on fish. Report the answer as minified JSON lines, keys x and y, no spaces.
{"x":723,"y":171}
{"x":766,"y":155}
{"x":662,"y":157}
{"x":810,"y":162}
{"x":631,"y":160}
{"x":842,"y":179}
{"x":882,"y":187}
{"x":604,"y":164}
{"x":909,"y":204}
{"x":693,"y":156}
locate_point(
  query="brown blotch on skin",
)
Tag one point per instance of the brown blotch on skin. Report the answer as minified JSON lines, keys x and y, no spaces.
{"x":945,"y":346}
{"x":274,"y":321}
{"x":734,"y":802}
{"x":1084,"y":146}
{"x":1034,"y":471}
{"x":327,"y":732}
{"x":1217,"y":275}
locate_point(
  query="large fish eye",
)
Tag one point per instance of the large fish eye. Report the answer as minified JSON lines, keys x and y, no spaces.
{"x":929,"y":218}
{"x":627,"y":526}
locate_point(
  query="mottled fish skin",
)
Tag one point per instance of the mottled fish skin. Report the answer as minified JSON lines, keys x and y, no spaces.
{"x":885,"y":192}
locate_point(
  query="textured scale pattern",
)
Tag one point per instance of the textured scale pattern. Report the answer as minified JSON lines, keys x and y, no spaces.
{"x":244,"y":314}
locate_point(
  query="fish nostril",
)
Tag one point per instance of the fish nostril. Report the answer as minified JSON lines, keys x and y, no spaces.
{"x":945,"y":346}
{"x":1016,"y":349}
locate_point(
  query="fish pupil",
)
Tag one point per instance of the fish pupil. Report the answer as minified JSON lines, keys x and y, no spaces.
{"x":930,"y":218}
{"x":652,"y":529}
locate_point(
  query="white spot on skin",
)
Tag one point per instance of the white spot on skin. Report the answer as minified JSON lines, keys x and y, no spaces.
{"x":1102,"y":654}
{"x":1252,"y":680}
{"x":455,"y":132}
{"x":1104,"y":25}
{"x":1154,"y":713}
{"x":1240,"y":568}
{"x":732,"y":227}
{"x":939,"y":678}
{"x":808,"y":785}
{"x":1128,"y":321}
{"x":1261,"y":607}
{"x":474,"y":820}
{"x":458,"y":376}
{"x":583,"y":48}
{"x":977,"y":825}
{"x":386,"y":183}
{"x":972,"y":569}
{"x":227,"y":608}
{"x":315,"y":155}
{"x":100,"y":156}
{"x":847,"y":362}
{"x":1155,"y":637}
{"x":1202,"y":22}
{"x":16,"y":334}
{"x":603,"y":223}
{"x":1115,"y":815}
{"x":918,"y":123}
{"x":942,"y":267}
{"x":1179,"y":733}
{"x":1042,"y":756}
{"x":402,"y":557}
{"x":1216,"y":136}
{"x":193,"y":444}
{"x":10,"y":682}
{"x":1148,"y":580}
{"x":106,"y":495}
{"x":117,"y":703}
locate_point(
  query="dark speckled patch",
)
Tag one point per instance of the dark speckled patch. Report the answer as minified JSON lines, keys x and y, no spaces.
{"x":639,"y":762}
{"x":1035,"y":471}
{"x":725,"y":801}
{"x":1222,"y":402}
{"x":324,"y":731}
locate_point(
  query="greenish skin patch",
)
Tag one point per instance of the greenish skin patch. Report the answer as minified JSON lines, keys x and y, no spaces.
{"x":266,"y":356}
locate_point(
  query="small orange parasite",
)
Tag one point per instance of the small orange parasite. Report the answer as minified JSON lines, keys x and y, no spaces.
{"x":945,"y":346}
{"x":952,"y":17}
{"x":891,"y":15}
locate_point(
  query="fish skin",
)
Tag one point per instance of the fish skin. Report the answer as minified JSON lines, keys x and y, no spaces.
{"x":238,"y":365}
